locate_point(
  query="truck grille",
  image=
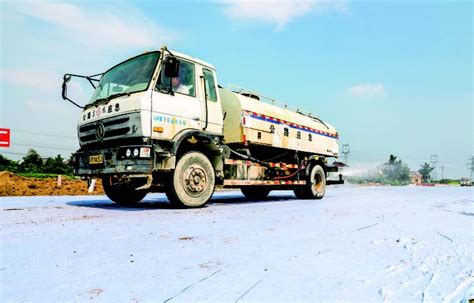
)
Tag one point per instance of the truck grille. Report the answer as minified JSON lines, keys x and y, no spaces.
{"x":114,"y":128}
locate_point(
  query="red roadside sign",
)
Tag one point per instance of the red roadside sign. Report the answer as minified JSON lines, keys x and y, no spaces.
{"x":4,"y":137}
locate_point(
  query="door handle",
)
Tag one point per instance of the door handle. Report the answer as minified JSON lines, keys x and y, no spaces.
{"x":196,"y":118}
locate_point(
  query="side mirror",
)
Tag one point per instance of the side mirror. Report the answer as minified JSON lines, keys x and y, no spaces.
{"x":66,"y":79}
{"x":171,"y":67}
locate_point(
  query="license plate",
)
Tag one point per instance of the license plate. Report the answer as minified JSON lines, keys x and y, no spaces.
{"x":96,"y":159}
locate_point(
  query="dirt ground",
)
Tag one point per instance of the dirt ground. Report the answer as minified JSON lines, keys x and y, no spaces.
{"x":13,"y":185}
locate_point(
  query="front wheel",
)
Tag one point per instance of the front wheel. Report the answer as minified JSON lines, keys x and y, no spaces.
{"x":123,"y":194}
{"x":193,"y":181}
{"x":315,"y":185}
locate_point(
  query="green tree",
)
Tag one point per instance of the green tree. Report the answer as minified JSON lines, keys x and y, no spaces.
{"x":392,"y":160}
{"x":48,"y":166}
{"x":56,"y":165}
{"x":425,"y":171}
{"x":395,"y":172}
{"x":7,"y":164}
{"x":32,"y":162}
{"x":61,"y":166}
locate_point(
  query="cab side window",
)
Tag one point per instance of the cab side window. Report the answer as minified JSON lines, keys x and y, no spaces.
{"x":183,"y":84}
{"x":210,"y":85}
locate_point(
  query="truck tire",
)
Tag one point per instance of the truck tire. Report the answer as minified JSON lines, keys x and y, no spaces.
{"x":315,"y":185}
{"x":122,"y":194}
{"x":255,"y":192}
{"x":192,"y":182}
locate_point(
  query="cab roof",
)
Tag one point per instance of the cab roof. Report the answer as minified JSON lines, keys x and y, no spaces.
{"x":184,"y":56}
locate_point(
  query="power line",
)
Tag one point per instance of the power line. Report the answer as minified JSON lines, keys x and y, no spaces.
{"x":39,"y":143}
{"x":387,"y":155}
{"x":366,"y":157}
{"x":44,"y":146}
{"x":12,"y":153}
{"x":369,"y":156}
{"x":43,"y":155}
{"x":13,"y":130}
{"x":452,"y":166}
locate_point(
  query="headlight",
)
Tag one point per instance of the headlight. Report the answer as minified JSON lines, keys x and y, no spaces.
{"x":134,"y":152}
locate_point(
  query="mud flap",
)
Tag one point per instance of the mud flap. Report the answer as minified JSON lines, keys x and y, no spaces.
{"x":334,"y":168}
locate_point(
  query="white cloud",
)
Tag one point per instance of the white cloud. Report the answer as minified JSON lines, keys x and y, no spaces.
{"x":277,"y":12}
{"x":41,"y":80}
{"x":100,"y":28}
{"x":367,"y":90}
{"x":41,"y":106}
{"x":45,"y":82}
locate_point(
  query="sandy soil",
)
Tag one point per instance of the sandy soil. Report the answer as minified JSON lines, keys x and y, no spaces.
{"x":13,"y":185}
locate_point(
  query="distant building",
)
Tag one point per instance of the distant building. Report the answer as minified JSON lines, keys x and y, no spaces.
{"x":415,"y":178}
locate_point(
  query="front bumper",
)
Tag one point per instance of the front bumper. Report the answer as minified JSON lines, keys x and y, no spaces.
{"x":114,"y":161}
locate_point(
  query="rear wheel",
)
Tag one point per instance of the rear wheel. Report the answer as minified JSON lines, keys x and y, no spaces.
{"x":255,"y":192}
{"x":315,"y":185}
{"x":123,"y":194}
{"x":193,"y":181}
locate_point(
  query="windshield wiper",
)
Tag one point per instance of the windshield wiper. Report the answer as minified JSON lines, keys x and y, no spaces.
{"x":107,"y":99}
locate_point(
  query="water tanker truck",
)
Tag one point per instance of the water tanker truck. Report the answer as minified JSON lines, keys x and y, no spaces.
{"x":159,"y":122}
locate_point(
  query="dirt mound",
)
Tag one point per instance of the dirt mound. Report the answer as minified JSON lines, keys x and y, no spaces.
{"x":13,"y":185}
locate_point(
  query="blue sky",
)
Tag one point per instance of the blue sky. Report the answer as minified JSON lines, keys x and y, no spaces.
{"x":392,"y":77}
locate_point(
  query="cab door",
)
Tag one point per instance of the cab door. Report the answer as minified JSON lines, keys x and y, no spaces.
{"x":179,"y":110}
{"x":211,"y":109}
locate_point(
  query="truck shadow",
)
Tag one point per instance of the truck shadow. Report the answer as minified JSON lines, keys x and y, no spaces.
{"x":162,"y":202}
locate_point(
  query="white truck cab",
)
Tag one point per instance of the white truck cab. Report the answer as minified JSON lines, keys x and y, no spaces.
{"x":139,"y":86}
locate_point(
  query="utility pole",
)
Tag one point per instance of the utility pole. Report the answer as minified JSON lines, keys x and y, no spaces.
{"x":442,"y":172}
{"x":434,"y":162}
{"x":345,"y":152}
{"x":471,"y":166}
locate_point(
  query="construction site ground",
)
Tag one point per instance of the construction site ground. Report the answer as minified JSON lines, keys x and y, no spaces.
{"x":372,"y":243}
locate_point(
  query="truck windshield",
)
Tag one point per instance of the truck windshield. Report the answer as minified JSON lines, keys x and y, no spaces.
{"x":127,"y":77}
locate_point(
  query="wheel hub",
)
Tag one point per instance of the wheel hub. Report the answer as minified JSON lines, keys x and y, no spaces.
{"x":195,"y":180}
{"x":318,"y":183}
